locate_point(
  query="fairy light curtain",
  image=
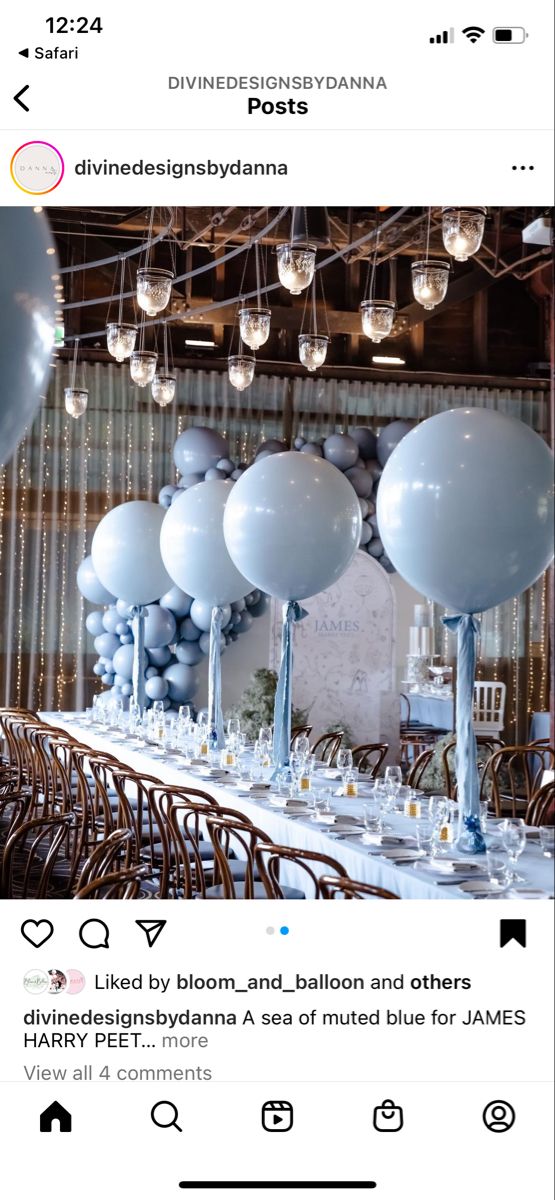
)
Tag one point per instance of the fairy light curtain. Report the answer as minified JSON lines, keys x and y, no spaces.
{"x":66,"y":474}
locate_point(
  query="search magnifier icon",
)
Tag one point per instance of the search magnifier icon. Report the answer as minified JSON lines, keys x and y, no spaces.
{"x":164,"y":1114}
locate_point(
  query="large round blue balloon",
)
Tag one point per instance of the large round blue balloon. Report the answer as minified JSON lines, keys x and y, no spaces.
{"x":126,"y":552}
{"x":89,"y":584}
{"x":292,"y":524}
{"x":198,"y":449}
{"x":193,"y":547}
{"x":160,"y":627}
{"x":465,"y":508}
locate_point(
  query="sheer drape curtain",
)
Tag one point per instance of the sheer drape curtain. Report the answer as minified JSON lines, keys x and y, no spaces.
{"x":66,"y":474}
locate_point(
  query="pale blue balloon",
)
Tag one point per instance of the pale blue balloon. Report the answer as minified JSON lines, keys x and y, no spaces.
{"x":361,"y":480}
{"x":292,"y":524}
{"x":182,"y":682}
{"x":190,"y":480}
{"x":215,"y":473}
{"x":201,"y":614}
{"x":98,"y":668}
{"x":197,"y":449}
{"x":126,"y":552}
{"x":122,"y":628}
{"x":166,"y":494}
{"x":189,"y":653}
{"x":127,"y":689}
{"x":107,"y":644}
{"x":178,"y":602}
{"x":193,"y":547}
{"x":365,"y":533}
{"x":151,"y":672}
{"x":95,"y":624}
{"x":312,"y":448}
{"x":389,"y":438}
{"x":204,"y":643}
{"x":125,"y":638}
{"x":123,"y":661}
{"x":366,"y":441}
{"x":27,"y":305}
{"x":89,"y":584}
{"x":375,"y":547}
{"x":239,"y":605}
{"x":159,"y":657}
{"x":188,"y":631}
{"x":244,"y":623}
{"x":124,"y":609}
{"x":261,"y":606}
{"x":107,"y":680}
{"x":465,"y":508}
{"x":156,"y":688}
{"x":226,"y":465}
{"x":160,"y":627}
{"x":111,"y":620}
{"x":120,"y":680}
{"x":341,"y":450}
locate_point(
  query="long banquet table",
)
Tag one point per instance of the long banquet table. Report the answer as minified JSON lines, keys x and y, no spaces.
{"x":408,"y":882}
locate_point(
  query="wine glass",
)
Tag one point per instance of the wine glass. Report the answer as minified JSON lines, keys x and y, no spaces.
{"x":233,"y":728}
{"x":344,"y":759}
{"x":302,"y":745}
{"x":513,"y":836}
{"x":185,"y":713}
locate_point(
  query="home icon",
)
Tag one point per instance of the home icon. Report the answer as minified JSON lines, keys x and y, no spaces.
{"x":55,"y":1112}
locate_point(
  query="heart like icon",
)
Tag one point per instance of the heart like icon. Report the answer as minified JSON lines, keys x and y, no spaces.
{"x":37,"y":932}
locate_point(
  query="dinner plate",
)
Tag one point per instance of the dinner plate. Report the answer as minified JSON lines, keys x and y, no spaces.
{"x":482,"y":887}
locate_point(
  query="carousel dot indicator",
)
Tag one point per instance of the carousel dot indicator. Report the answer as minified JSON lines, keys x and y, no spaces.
{"x":270,"y":929}
{"x":284,"y":930}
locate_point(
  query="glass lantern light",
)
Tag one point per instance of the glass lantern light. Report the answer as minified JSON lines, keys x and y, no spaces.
{"x":154,"y":285}
{"x":377,"y":318}
{"x":163,"y":388}
{"x":313,"y":348}
{"x":76,"y":400}
{"x":296,"y":265}
{"x":254,"y":326}
{"x":142,"y":367}
{"x":240,"y":370}
{"x":463,"y":230}
{"x":429,"y":281}
{"x":121,"y":339}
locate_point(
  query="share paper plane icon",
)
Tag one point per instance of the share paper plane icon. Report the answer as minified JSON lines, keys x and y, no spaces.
{"x":152,"y":929}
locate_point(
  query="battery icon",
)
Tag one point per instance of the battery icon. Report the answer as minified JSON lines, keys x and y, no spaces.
{"x":509,"y":35}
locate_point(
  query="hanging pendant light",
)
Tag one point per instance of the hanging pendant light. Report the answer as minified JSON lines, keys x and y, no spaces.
{"x":120,"y":336}
{"x":120,"y":340}
{"x":313,"y":348}
{"x":377,"y":318}
{"x":254,"y":326}
{"x":142,"y":367}
{"x":296,"y":265}
{"x":313,"y":345}
{"x":463,"y":230}
{"x":154,"y":285}
{"x":76,"y":398}
{"x":164,"y":382}
{"x":430,"y":276}
{"x":310,"y":226}
{"x":163,"y":388}
{"x":429,"y":281}
{"x":240,"y":370}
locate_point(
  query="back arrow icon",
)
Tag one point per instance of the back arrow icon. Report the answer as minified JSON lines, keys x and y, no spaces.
{"x":18,"y":95}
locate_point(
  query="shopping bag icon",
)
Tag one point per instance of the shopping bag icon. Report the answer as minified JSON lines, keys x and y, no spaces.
{"x":388,"y":1117}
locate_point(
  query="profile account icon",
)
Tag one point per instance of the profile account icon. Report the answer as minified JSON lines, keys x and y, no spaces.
{"x":499,"y":1116}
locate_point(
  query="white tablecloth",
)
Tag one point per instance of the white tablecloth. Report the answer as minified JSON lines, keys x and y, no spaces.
{"x":407,"y":882}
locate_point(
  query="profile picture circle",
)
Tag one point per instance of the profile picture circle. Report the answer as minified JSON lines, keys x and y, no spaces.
{"x":37,"y":168}
{"x":36,"y":982}
{"x":75,"y":982}
{"x":57,"y":981}
{"x":499,"y":1116}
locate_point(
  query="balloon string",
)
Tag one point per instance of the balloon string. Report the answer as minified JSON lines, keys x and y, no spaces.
{"x":467,"y":628}
{"x":292,"y":612}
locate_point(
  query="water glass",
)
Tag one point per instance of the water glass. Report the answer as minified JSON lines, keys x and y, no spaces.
{"x":372,"y":813}
{"x":498,"y":868}
{"x":233,"y":729}
{"x":185,"y":713}
{"x":266,"y":734}
{"x":547,"y":840}
{"x":302,"y":746}
{"x":89,"y":716}
{"x":158,"y":707}
{"x":438,"y":809}
{"x":484,"y":816}
{"x":424,"y":835}
{"x":393,"y":777}
{"x":344,"y":760}
{"x":513,"y":836}
{"x":283,"y":782}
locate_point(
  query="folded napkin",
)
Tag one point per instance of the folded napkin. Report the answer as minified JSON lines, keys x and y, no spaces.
{"x":455,"y":866}
{"x":386,"y":839}
{"x":245,"y":785}
{"x":402,"y":854}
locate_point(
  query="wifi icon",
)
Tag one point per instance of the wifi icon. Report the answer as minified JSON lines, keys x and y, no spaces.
{"x":473,"y":32}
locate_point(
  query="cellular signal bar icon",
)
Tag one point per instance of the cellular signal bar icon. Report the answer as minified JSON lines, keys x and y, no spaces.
{"x":441,"y":39}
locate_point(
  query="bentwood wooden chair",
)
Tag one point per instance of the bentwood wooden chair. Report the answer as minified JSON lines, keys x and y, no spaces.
{"x":31,"y":855}
{"x":514,"y":774}
{"x":416,"y":773}
{"x":235,"y":832}
{"x":490,"y":744}
{"x":541,"y":809}
{"x":334,"y":887}
{"x":106,"y":858}
{"x":326,"y":746}
{"x":308,"y":868}
{"x":297,"y":732}
{"x":369,"y":756}
{"x":127,"y":884}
